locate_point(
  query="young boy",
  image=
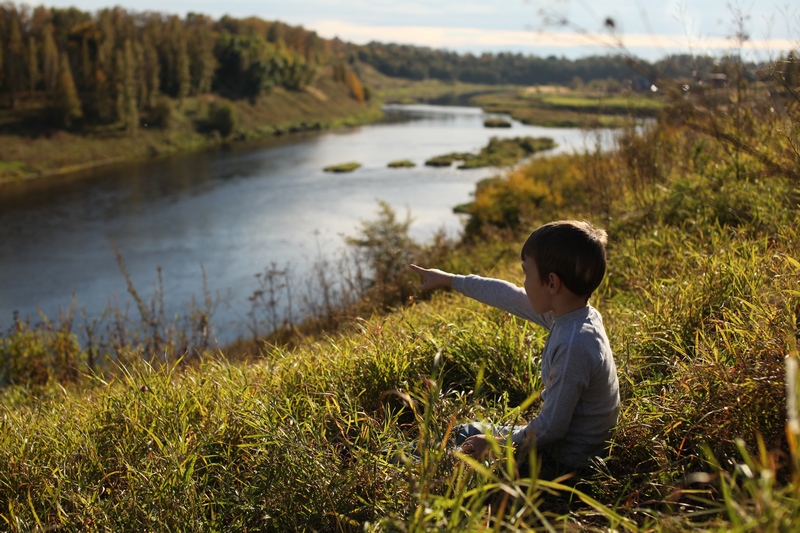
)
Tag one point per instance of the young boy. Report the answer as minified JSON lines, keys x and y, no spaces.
{"x":564,"y":262}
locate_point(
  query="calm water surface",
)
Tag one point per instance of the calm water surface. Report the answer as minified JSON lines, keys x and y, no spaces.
{"x":232,"y":212}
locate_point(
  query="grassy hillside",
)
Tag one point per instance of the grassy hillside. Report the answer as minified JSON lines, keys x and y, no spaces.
{"x":345,"y":429}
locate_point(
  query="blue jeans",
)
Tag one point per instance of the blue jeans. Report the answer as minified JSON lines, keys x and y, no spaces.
{"x":464,"y":431}
{"x":550,"y":467}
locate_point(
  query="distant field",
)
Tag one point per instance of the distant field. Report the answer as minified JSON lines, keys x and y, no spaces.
{"x":563,"y":107}
{"x":408,"y":91}
{"x":577,"y":100}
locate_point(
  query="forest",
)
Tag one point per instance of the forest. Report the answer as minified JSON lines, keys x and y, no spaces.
{"x":419,"y":63}
{"x":115,"y":66}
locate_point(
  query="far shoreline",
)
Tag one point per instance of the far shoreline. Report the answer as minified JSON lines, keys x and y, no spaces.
{"x":152,"y":146}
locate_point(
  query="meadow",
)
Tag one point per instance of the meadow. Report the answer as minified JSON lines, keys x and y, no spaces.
{"x":342,"y":423}
{"x":572,"y":108}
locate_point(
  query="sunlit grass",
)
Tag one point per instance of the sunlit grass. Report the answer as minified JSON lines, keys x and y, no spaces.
{"x":631,"y":103}
{"x":568,"y":108}
{"x":351,"y":428}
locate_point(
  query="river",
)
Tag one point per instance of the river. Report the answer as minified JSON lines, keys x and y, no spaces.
{"x":231,"y":212}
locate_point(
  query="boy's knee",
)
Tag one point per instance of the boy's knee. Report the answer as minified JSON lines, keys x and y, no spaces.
{"x":464,"y":431}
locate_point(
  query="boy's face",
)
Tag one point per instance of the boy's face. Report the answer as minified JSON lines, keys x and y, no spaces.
{"x":538,"y":292}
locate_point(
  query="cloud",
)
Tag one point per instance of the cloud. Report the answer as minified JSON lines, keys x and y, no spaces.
{"x":391,"y":8}
{"x":460,"y":38}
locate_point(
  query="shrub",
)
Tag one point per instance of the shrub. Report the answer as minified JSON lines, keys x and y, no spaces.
{"x":222,"y":118}
{"x":343,"y":167}
{"x":163,"y":114}
{"x":387,"y":249}
{"x":496,"y":123}
{"x":35,"y":355}
{"x":401,"y":163}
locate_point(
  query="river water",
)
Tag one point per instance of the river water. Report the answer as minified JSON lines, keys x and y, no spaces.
{"x":231,"y":212}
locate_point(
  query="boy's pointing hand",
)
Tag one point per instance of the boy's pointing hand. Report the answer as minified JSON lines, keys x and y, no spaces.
{"x":433,"y":277}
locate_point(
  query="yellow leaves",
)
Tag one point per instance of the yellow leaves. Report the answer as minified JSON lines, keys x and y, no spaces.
{"x":535,"y":191}
{"x":794,"y":263}
{"x":354,"y":84}
{"x":343,"y":74}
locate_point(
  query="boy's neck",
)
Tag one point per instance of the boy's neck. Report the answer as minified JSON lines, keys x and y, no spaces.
{"x":567,"y":303}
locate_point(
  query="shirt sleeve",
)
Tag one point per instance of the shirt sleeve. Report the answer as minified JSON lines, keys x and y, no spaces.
{"x":564,"y":385}
{"x":501,"y":294}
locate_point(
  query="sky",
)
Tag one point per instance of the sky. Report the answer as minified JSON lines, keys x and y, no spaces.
{"x":649,"y":29}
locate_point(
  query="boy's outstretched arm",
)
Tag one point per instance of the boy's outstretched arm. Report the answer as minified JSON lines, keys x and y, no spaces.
{"x":433,"y":277}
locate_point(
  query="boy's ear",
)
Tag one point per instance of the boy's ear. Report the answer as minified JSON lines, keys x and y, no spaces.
{"x":553,"y":282}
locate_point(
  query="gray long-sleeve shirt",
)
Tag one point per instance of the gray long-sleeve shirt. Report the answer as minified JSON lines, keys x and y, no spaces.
{"x":580,"y":403}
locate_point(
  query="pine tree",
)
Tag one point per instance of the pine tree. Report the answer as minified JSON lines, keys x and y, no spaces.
{"x":51,"y":61}
{"x":2,"y":59}
{"x":66,"y":104}
{"x":34,"y":74}
{"x":125,"y":76}
{"x":130,"y":81}
{"x":104,"y":83}
{"x":87,"y":69}
{"x":275,"y":32}
{"x":151,"y":72}
{"x":183,"y":75}
{"x":178,"y":74}
{"x":202,"y":60}
{"x":15,"y":62}
{"x":141,"y":80}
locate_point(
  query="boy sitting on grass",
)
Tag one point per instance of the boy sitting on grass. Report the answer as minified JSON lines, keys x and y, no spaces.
{"x":564,"y":262}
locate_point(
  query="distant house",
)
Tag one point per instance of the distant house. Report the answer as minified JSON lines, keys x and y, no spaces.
{"x":718,"y":80}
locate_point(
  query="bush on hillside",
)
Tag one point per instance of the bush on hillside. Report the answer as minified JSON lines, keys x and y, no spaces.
{"x":222,"y":118}
{"x":163,"y":114}
{"x":387,"y":249}
{"x":35,"y":355}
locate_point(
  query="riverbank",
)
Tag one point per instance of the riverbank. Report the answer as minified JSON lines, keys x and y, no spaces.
{"x":29,"y":150}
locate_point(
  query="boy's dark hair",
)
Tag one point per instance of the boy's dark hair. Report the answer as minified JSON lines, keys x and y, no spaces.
{"x":574,"y":251}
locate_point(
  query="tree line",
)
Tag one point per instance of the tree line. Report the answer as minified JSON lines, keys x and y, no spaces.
{"x":420,"y":63}
{"x":114,"y":65}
